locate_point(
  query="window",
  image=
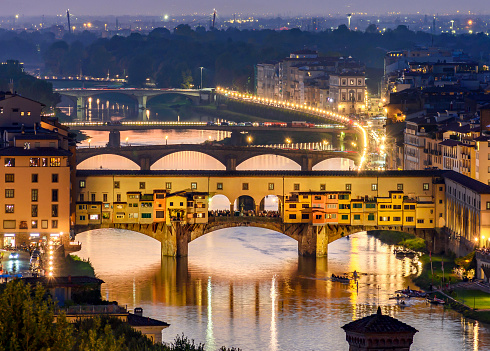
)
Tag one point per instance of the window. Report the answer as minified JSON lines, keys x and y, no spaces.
{"x":397,"y":207}
{"x":160,"y":214}
{"x":9,"y":208}
{"x":34,"y":178}
{"x":318,"y":216}
{"x":146,"y":215}
{"x":318,"y":197}
{"x":488,"y":205}
{"x":92,"y":197}
{"x":323,"y":187}
{"x":409,"y":219}
{"x":193,"y":185}
{"x":33,"y":210}
{"x":9,"y":193}
{"x":271,"y":186}
{"x":9,"y":178}
{"x":34,"y":195}
{"x":331,"y":205}
{"x":292,"y":216}
{"x":305,"y":206}
{"x":345,"y":217}
{"x":82,"y":197}
{"x":34,"y":224}
{"x":384,"y":219}
{"x":440,"y":201}
{"x":118,"y":197}
{"x":34,"y":162}
{"x":219,"y":186}
{"x":348,"y":187}
{"x":370,"y":205}
{"x":296,"y":187}
{"x":54,"y":195}
{"x":357,"y":217}
{"x":142,"y":185}
{"x":168,"y":185}
{"x":292,"y":205}
{"x":356,"y":205}
{"x":82,"y":184}
{"x":397,"y":219}
{"x":55,"y":162}
{"x":399,"y":187}
{"x":331,"y":197}
{"x":9,"y":162}
{"x":244,"y":186}
{"x":371,"y":217}
{"x":305,"y":216}
{"x":344,"y":206}
{"x":9,"y":224}
{"x":420,"y":221}
{"x":44,"y":224}
{"x":54,"y":210}
{"x":54,"y":223}
{"x":343,"y":197}
{"x":117,"y":184}
{"x":181,"y":204}
{"x":374,"y":187}
{"x":440,"y":188}
{"x":426,"y":186}
{"x":54,"y":178}
{"x":409,"y":207}
{"x":44,"y":162}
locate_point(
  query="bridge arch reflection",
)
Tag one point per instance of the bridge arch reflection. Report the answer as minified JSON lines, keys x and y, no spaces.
{"x":108,"y":161}
{"x":188,"y":160}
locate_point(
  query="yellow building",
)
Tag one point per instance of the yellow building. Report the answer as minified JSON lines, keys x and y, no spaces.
{"x":35,"y":174}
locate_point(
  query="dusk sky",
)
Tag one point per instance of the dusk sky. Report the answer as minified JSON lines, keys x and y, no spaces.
{"x":272,"y":7}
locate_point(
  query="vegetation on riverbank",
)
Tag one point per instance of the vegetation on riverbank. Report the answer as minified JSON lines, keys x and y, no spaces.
{"x":28,"y":323}
{"x":407,"y":240}
{"x":75,"y":266}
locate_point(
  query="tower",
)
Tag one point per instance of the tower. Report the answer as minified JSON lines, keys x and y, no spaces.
{"x":68,"y":18}
{"x":349,"y":15}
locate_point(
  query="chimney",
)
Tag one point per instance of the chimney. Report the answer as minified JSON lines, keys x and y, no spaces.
{"x":138,"y":311}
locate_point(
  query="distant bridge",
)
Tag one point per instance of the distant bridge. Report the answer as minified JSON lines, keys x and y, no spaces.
{"x":230,"y":157}
{"x":101,"y":126}
{"x":141,"y":95}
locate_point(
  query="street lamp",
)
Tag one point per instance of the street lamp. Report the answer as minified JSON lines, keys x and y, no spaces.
{"x":288,"y":141}
{"x":201,"y":75}
{"x":249,"y":139}
{"x":166,"y":139}
{"x":127,"y":139}
{"x":89,"y":142}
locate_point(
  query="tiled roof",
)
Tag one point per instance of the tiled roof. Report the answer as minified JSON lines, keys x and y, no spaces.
{"x":140,"y":321}
{"x":191,"y":173}
{"x":378,"y":323}
{"x":449,"y":142}
{"x":470,"y":183}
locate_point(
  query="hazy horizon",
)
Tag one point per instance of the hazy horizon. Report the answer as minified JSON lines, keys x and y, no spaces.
{"x":228,"y":7}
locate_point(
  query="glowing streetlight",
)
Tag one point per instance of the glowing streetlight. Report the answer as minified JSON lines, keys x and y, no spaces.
{"x":249,"y":139}
{"x":89,"y":142}
{"x":166,"y":139}
{"x":201,"y":75}
{"x":127,"y":140}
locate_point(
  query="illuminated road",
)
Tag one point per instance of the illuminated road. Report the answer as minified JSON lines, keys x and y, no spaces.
{"x":332,"y":116}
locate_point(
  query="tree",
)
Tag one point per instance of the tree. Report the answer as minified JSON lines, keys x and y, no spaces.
{"x":187,"y":79}
{"x":372,"y":28}
{"x":27,"y":321}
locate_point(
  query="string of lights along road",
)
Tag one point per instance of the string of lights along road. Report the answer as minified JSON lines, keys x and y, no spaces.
{"x":307,"y":109}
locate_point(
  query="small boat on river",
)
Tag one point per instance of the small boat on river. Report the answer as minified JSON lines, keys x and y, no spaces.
{"x":411,"y":293}
{"x":435,"y":301}
{"x":341,"y":279}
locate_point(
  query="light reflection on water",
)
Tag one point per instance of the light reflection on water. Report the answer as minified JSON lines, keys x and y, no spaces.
{"x":247,"y":287}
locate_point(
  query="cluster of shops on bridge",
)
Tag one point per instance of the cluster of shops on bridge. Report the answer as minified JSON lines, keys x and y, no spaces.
{"x":392,"y":200}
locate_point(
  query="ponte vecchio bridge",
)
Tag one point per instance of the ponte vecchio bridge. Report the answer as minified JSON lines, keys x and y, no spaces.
{"x":447,"y":209}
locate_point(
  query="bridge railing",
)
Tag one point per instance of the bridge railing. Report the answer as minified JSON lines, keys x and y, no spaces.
{"x":301,"y":146}
{"x":230,"y":219}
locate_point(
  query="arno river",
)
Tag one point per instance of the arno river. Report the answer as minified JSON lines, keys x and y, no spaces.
{"x":247,"y":287}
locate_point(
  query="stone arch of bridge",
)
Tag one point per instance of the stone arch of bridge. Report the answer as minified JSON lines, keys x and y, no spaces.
{"x":346,"y":155}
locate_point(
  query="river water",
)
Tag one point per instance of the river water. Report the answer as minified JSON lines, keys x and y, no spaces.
{"x":247,"y":287}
